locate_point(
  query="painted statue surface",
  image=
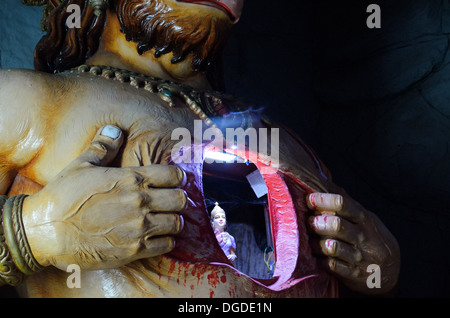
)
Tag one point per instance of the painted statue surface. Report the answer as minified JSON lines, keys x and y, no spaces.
{"x":134,"y":65}
{"x":226,"y":240}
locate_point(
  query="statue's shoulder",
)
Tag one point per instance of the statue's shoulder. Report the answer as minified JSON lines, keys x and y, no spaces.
{"x":21,"y":73}
{"x":24,"y":80}
{"x":35,"y":84}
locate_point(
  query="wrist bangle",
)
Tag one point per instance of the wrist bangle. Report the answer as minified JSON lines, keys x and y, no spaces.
{"x":16,"y":259}
{"x":9,"y":273}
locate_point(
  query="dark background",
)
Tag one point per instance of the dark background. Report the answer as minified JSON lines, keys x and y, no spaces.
{"x":373,"y":103}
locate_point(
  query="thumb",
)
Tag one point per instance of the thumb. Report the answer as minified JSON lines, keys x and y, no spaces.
{"x":103,"y":148}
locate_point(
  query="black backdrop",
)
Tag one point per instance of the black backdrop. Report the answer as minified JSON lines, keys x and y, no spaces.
{"x":374,"y":103}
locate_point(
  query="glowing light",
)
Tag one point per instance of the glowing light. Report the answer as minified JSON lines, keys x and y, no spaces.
{"x":220,"y":156}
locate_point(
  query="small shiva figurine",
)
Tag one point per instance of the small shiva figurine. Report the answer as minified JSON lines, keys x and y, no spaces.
{"x":219,"y":224}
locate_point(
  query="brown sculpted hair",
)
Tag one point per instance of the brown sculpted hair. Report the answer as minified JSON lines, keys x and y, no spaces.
{"x":152,"y":24}
{"x":155,"y":25}
{"x":63,"y":48}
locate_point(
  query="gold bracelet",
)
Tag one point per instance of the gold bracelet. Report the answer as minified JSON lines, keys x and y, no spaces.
{"x":9,"y":273}
{"x":18,"y":260}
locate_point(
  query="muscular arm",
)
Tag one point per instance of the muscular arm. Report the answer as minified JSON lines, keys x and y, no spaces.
{"x":23,"y":95}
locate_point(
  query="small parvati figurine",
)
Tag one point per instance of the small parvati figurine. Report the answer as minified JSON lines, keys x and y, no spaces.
{"x":219,"y":224}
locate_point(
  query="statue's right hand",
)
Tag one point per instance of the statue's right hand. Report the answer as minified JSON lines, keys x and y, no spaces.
{"x":101,"y":217}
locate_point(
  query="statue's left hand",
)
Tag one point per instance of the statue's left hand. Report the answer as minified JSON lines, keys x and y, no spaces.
{"x":354,"y":242}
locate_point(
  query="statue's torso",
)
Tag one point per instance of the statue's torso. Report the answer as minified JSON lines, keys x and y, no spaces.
{"x":91,"y":102}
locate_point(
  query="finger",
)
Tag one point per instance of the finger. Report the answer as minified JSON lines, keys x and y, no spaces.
{"x":328,"y":203}
{"x":157,"y":246}
{"x":103,"y":148}
{"x":152,"y":200}
{"x":337,"y":249}
{"x":162,"y":176}
{"x":334,"y":227}
{"x":159,"y":224}
{"x":324,"y":202}
{"x":342,"y":269}
{"x":165,"y":200}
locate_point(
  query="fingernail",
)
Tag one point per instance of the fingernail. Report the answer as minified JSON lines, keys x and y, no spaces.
{"x":319,"y":223}
{"x":325,"y":223}
{"x":324,"y":200}
{"x":330,"y":246}
{"x":181,"y":176}
{"x":180,"y":223}
{"x":339,"y":200}
{"x":332,"y":263}
{"x":310,"y":201}
{"x":111,"y":131}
